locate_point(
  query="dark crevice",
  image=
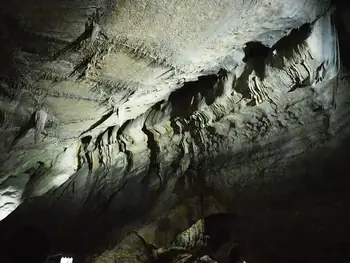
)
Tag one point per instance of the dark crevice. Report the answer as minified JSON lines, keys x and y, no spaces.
{"x":99,"y":122}
{"x":122,"y":144}
{"x":295,"y":38}
{"x":86,"y":141}
{"x":191,"y":94}
{"x":195,"y":131}
{"x":206,"y":89}
{"x":343,"y":35}
{"x":219,"y":90}
{"x":100,"y":146}
{"x":242,"y":83}
{"x":123,"y":148}
{"x":154,"y":165}
{"x":255,"y":56}
{"x":99,"y":137}
{"x":129,"y":160}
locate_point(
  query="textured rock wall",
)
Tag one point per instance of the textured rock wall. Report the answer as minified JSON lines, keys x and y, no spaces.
{"x":111,"y":162}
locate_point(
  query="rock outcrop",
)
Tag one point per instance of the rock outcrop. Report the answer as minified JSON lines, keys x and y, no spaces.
{"x":119,"y":116}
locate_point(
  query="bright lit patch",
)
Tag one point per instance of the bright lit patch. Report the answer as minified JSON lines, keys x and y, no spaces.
{"x":66,"y":260}
{"x":121,"y":114}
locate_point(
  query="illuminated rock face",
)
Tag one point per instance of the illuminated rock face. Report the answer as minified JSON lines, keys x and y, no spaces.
{"x":112,"y":116}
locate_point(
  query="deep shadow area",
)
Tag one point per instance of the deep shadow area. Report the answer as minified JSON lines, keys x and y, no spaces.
{"x":28,"y":244}
{"x":255,"y":56}
{"x":190,"y":95}
{"x":296,"y":37}
{"x":302,"y":218}
{"x":343,"y":34}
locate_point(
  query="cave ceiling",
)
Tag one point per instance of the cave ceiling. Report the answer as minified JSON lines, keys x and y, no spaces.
{"x":118,"y":111}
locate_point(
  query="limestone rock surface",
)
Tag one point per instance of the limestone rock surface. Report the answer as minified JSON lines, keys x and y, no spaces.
{"x":119,"y":116}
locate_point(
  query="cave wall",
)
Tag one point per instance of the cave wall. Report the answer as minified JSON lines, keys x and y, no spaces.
{"x":264,"y":138}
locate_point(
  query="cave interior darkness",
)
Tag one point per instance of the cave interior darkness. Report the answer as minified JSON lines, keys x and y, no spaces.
{"x":303,"y":218}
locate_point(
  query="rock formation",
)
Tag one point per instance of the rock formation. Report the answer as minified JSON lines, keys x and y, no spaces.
{"x":160,"y":117}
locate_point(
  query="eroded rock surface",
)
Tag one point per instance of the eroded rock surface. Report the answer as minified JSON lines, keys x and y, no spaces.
{"x":114,"y":116}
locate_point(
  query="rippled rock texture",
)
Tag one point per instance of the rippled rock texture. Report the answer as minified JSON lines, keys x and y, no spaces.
{"x":140,"y":115}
